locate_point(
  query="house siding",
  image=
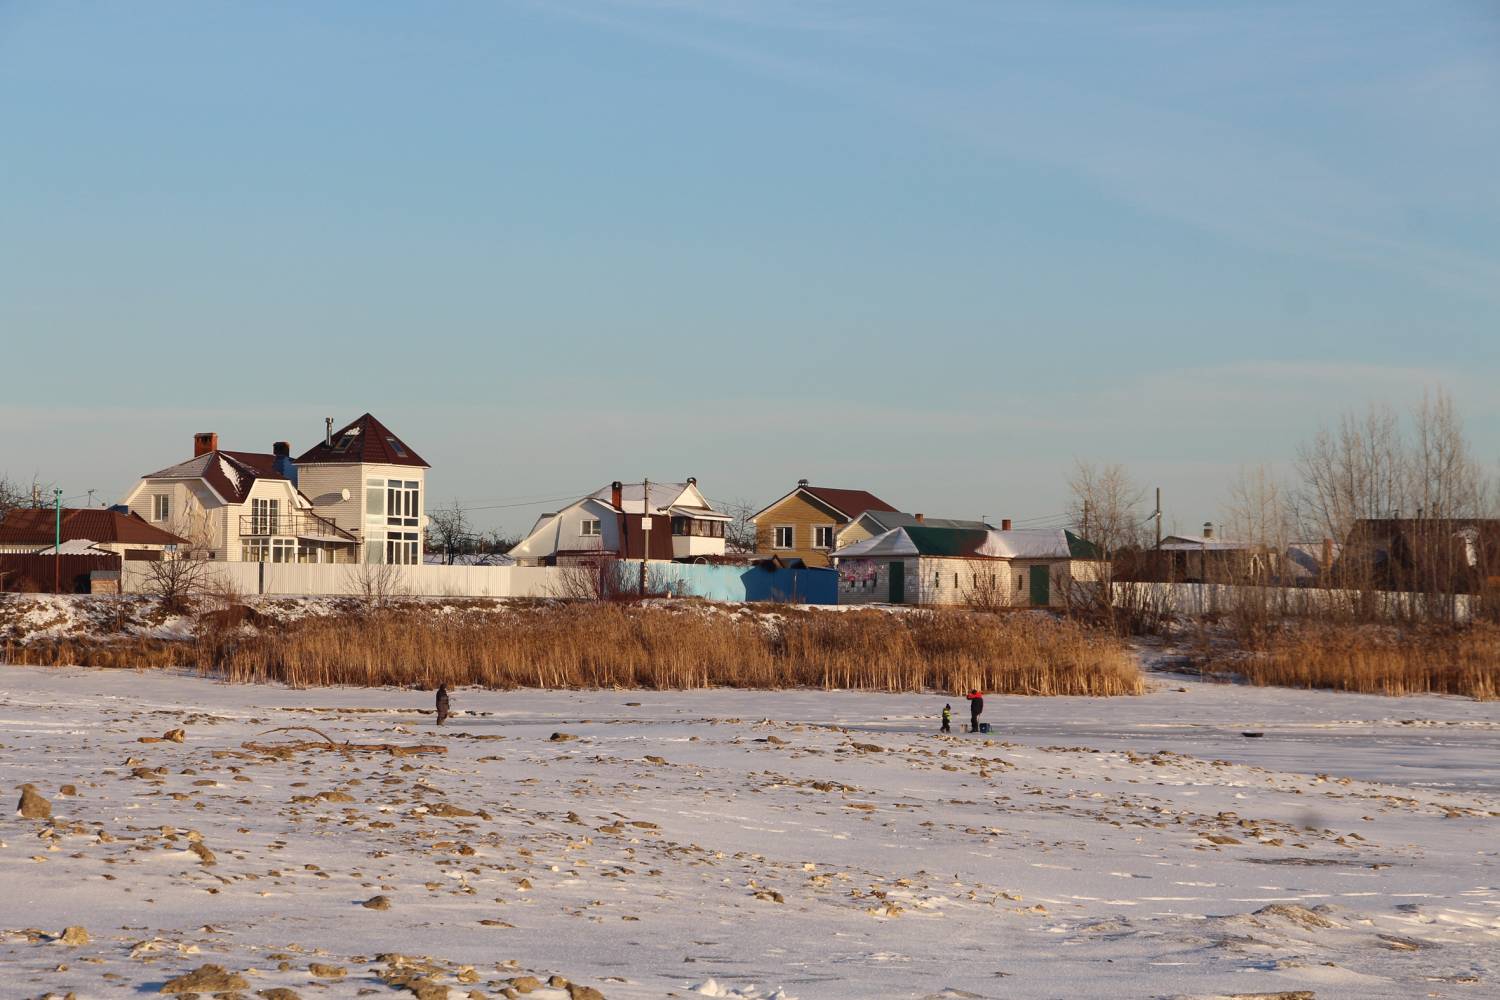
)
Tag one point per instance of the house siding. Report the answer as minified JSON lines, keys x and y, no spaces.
{"x":803,"y":516}
{"x":323,"y":483}
{"x":935,"y":581}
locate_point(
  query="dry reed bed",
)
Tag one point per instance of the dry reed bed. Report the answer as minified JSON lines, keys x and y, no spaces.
{"x":1383,"y":661}
{"x":594,"y":645}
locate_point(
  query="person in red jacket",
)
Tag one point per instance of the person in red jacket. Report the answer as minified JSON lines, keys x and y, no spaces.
{"x":976,"y":707}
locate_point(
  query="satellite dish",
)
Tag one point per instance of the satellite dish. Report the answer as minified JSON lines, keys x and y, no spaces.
{"x":344,"y":495}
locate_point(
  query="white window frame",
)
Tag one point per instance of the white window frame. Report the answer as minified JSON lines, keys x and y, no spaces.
{"x":402,"y":502}
{"x":265,"y":516}
{"x":161,"y":506}
{"x":403,"y":548}
{"x":791,"y":536}
{"x":591,"y":527}
{"x":823,"y":531}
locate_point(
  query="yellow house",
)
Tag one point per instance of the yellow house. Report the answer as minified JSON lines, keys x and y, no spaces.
{"x":806,"y":522}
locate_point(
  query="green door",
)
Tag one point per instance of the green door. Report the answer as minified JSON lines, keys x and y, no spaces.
{"x":898,"y":582}
{"x":1041,"y":586}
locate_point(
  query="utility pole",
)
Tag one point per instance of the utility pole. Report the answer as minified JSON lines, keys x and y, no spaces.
{"x":1158,"y":517}
{"x":57,"y":540}
{"x":645,"y":530}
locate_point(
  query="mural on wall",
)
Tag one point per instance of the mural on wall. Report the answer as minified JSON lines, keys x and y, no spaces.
{"x":854,"y":574}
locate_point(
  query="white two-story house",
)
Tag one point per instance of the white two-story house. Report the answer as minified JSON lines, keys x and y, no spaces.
{"x":371,"y":483}
{"x":610,"y":521}
{"x":235,"y":506}
{"x":359,"y":496}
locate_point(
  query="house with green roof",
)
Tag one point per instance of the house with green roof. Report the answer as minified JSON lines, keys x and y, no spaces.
{"x":967,"y":567}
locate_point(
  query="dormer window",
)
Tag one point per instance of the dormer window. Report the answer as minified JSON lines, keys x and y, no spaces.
{"x":396,"y":447}
{"x":343,"y":443}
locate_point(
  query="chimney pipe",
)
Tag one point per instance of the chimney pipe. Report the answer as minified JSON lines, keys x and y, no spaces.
{"x":1208,"y":529}
{"x":616,"y":494}
{"x":204,"y":443}
{"x":1005,"y":524}
{"x":328,"y":432}
{"x":921,"y":518}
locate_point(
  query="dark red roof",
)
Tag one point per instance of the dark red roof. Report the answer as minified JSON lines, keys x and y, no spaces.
{"x":850,"y":503}
{"x":37,"y":526}
{"x":230,"y":473}
{"x":365,"y":440}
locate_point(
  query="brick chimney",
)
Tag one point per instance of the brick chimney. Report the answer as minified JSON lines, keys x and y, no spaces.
{"x":921,"y":518}
{"x":204,"y":443}
{"x":616,"y":494}
{"x":1005,"y":524}
{"x":1327,"y":554}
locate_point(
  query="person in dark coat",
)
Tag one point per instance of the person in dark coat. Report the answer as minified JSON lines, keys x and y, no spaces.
{"x":442,"y":703}
{"x":947,"y":719}
{"x":976,"y":708}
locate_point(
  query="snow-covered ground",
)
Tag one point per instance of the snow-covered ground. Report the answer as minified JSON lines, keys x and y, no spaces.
{"x":727,"y":843}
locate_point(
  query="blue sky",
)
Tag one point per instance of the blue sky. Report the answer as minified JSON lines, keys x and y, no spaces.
{"x":934,"y":250}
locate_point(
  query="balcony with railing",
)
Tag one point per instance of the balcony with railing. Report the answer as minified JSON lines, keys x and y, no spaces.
{"x":298,"y":525}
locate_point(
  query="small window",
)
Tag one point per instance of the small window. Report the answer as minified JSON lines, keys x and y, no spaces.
{"x":396,"y":447}
{"x":591,"y":527}
{"x":1019,"y":584}
{"x":784,"y":536}
{"x":343,"y":443}
{"x":823,"y":536}
{"x":161,"y":507}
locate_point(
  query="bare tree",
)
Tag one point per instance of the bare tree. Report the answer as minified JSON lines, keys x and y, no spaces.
{"x":377,"y":585}
{"x":1106,"y":511}
{"x":595,"y":578}
{"x":740,"y":535}
{"x":14,"y":494}
{"x":986,"y":589}
{"x":448,"y":530}
{"x":180,"y":577}
{"x":1354,"y":470}
{"x":1106,"y":506}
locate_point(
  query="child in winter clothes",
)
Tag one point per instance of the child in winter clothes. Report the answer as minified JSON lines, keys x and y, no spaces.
{"x":947,"y":719}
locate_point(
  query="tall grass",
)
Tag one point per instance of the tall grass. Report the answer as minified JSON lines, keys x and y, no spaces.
{"x":1374,"y":660}
{"x":593,"y":645}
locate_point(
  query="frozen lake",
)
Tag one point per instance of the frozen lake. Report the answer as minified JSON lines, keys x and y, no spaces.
{"x":754,"y":844}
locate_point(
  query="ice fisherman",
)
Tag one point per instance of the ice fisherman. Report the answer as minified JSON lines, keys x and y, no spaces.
{"x":442,"y":703}
{"x":947,"y":719}
{"x":976,"y":708}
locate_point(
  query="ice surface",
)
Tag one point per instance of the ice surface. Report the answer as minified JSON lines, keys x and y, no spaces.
{"x":736,"y":844}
